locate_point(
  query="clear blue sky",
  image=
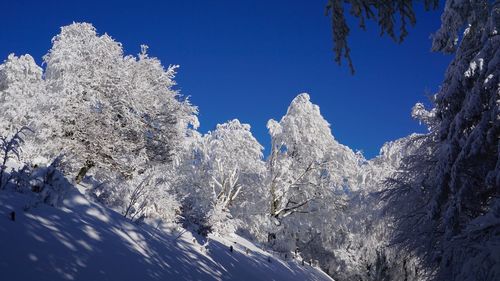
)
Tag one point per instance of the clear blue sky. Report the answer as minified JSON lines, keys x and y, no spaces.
{"x":248,"y":59}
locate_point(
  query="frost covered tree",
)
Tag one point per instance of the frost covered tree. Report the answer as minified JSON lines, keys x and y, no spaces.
{"x":114,"y":115}
{"x":20,"y":83}
{"x":10,"y":147}
{"x":357,"y":248}
{"x":235,"y":170}
{"x":323,"y":203}
{"x":221,"y":174}
{"x":303,"y":156}
{"x":117,"y":113}
{"x":446,"y":198}
{"x":21,"y":92}
{"x":147,"y":197}
{"x":309,"y":173}
{"x":236,"y":162}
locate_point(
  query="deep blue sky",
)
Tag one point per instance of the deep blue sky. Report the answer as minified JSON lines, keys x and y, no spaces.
{"x":248,"y":59}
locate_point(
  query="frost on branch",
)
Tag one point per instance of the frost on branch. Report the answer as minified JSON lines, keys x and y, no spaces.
{"x":390,"y":16}
{"x":420,"y":113}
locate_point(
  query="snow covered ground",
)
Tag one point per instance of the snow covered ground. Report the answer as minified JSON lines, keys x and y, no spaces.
{"x":85,"y":241}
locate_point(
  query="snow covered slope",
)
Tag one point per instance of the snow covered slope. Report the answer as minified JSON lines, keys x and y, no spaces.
{"x":85,"y":241}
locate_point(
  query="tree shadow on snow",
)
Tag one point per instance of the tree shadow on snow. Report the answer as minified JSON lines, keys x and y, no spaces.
{"x":85,"y":241}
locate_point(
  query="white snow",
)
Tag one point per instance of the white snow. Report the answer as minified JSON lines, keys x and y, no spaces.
{"x":85,"y":241}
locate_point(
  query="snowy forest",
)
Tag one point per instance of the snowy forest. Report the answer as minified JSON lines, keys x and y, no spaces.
{"x":115,"y":127}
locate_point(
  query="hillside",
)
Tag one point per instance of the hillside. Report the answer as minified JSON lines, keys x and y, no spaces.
{"x":85,"y":241}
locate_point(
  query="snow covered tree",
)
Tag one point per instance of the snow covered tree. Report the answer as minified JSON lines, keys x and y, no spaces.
{"x":235,"y":159}
{"x":20,"y":85}
{"x":21,"y":93}
{"x":447,"y":196}
{"x":10,"y":147}
{"x":114,"y":115}
{"x":221,"y":173}
{"x":113,"y":112}
{"x":323,"y":203}
{"x":308,"y":174}
{"x":357,"y":247}
{"x":146,"y":197}
{"x":303,"y":156}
